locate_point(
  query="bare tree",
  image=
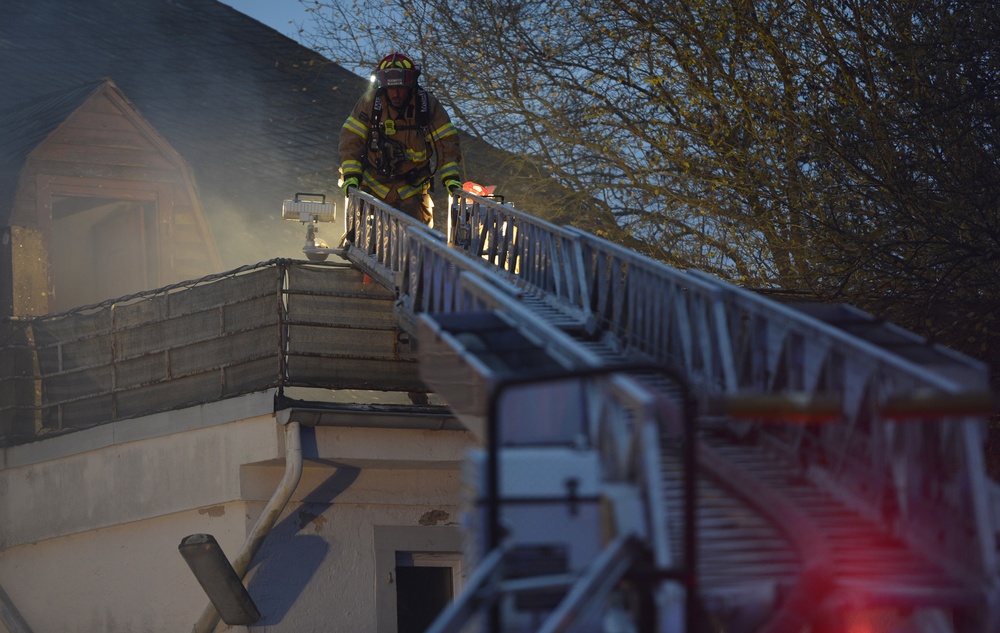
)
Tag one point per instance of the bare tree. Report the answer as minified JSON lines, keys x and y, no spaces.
{"x":843,"y":148}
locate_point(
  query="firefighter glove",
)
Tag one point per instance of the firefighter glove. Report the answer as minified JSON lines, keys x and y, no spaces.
{"x":453,"y":186}
{"x":348,"y":183}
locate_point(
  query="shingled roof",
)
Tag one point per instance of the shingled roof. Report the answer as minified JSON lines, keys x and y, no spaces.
{"x":255,"y":114}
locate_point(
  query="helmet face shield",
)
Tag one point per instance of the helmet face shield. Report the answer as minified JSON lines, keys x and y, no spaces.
{"x":396,"y":71}
{"x":395,"y":78}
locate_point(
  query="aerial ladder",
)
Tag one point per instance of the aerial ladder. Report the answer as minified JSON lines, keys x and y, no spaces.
{"x":666,"y":451}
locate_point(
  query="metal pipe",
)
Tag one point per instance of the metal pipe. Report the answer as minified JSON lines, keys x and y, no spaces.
{"x":10,"y":616}
{"x":293,"y":472}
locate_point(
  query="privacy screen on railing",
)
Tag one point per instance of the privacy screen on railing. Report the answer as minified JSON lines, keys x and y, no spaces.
{"x":278,"y":323}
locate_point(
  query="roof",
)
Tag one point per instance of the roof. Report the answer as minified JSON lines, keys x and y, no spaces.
{"x":23,"y":128}
{"x":255,"y":114}
{"x":27,"y":126}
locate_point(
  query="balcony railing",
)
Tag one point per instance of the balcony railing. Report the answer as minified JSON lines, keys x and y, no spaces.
{"x":275,"y":324}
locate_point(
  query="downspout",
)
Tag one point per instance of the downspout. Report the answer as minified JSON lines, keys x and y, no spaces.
{"x":293,"y":471}
{"x":10,"y":617}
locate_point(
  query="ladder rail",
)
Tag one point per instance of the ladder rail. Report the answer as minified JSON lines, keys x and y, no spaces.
{"x":744,"y":342}
{"x":545,"y":258}
{"x":376,"y":236}
{"x":728,"y":340}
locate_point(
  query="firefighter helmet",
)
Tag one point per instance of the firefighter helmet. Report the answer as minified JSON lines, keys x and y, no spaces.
{"x":396,"y":71}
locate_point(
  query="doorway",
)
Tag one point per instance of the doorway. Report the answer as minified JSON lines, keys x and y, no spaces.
{"x":102,"y":248}
{"x":425,"y":585}
{"x":420,"y":572}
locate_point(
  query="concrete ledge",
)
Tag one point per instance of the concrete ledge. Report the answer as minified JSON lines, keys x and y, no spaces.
{"x":146,"y":427}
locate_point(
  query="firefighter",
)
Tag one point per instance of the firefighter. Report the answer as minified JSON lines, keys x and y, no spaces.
{"x":397,"y":139}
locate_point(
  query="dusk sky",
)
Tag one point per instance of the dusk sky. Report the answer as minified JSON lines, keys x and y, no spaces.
{"x":275,"y":13}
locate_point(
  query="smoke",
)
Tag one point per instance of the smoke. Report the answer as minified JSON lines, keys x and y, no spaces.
{"x":245,"y":236}
{"x":253,"y":114}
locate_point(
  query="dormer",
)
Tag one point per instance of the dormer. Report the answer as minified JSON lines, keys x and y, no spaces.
{"x":94,"y":205}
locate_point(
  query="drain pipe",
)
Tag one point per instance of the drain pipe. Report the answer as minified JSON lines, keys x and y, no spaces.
{"x":293,"y":471}
{"x":10,"y":617}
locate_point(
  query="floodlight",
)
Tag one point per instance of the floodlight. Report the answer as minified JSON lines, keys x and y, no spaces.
{"x":309,"y":209}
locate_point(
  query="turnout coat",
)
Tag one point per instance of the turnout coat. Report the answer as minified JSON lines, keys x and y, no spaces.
{"x":395,"y":153}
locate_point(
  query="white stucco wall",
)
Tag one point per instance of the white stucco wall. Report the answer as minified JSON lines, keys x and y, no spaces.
{"x":123,"y":578}
{"x":317,"y":571}
{"x":131,"y":481}
{"x":89,"y":535}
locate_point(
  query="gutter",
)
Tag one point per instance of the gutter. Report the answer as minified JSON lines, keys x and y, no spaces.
{"x":381,"y":416}
{"x":293,"y":472}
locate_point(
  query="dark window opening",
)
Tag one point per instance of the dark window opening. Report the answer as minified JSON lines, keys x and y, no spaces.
{"x":421,"y":594}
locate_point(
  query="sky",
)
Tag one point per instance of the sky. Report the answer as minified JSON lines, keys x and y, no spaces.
{"x":275,"y":13}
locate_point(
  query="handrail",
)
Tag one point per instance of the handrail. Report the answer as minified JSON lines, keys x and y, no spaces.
{"x":375,"y":235}
{"x":922,"y":474}
{"x":544,"y":255}
{"x":602,"y":575}
{"x":540,"y":256}
{"x":728,"y":339}
{"x":477,"y":594}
